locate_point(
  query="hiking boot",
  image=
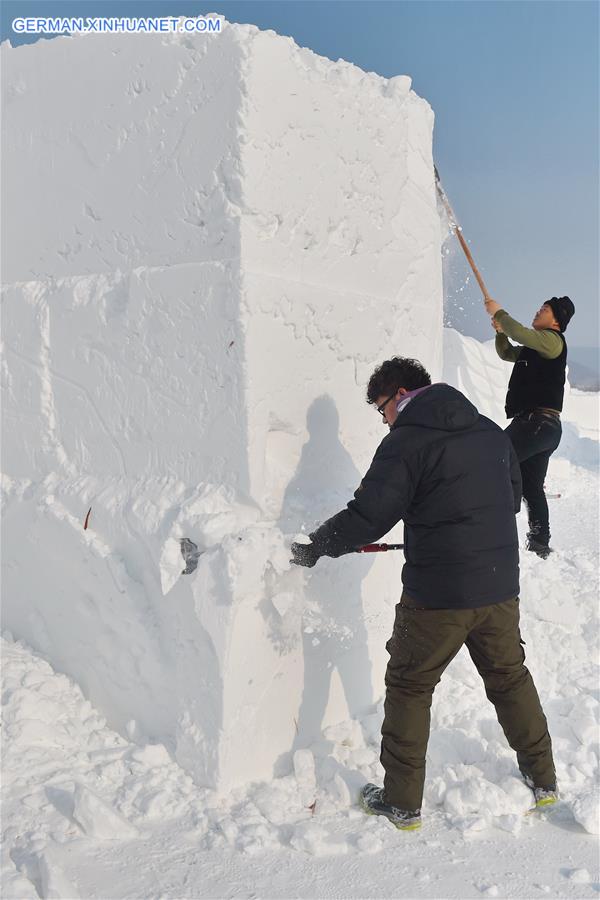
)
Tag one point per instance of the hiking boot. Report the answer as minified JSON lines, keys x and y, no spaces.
{"x":544,"y":796}
{"x":372,"y":800}
{"x":542,"y":550}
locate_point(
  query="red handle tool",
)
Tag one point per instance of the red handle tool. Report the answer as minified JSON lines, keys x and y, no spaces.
{"x":379,"y":548}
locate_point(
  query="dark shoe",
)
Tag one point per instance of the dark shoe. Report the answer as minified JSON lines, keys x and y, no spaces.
{"x":372,"y":800}
{"x":542,"y":550}
{"x":544,"y":796}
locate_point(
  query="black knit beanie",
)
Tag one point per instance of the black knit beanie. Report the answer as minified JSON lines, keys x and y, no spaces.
{"x":563,"y":310}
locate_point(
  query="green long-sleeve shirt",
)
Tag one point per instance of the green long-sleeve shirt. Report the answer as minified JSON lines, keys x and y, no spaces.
{"x":547,"y":343}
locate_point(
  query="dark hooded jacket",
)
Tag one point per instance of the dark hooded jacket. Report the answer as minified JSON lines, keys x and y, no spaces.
{"x":452,"y":476}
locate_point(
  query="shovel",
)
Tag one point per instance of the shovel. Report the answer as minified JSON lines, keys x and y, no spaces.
{"x":191,"y":553}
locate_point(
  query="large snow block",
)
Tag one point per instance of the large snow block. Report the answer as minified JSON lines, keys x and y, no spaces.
{"x":211,"y":243}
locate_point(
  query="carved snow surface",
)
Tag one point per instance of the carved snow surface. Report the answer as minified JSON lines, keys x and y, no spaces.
{"x":213,"y":241}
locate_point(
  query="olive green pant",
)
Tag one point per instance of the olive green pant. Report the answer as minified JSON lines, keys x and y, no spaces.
{"x":423,"y":643}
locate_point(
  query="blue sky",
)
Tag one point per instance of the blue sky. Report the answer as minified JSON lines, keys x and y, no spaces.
{"x":514,"y":86}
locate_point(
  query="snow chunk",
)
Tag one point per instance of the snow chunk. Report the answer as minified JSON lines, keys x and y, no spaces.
{"x":579,"y":876}
{"x":586,"y":810}
{"x":97,"y":819}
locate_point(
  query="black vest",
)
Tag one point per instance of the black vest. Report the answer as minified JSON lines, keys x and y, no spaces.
{"x":536,"y":381}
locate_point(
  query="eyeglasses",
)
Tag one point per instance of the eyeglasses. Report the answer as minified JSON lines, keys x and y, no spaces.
{"x":381,"y":409}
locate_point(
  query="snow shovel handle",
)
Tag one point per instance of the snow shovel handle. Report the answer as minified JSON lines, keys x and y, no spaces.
{"x":458,"y":232}
{"x":378,"y":548}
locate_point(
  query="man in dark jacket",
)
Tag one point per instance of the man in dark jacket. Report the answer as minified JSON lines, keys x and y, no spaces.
{"x":534,"y":400}
{"x":453,"y":477}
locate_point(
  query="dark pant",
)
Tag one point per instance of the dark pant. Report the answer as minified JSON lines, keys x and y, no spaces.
{"x":535,"y":436}
{"x":423,"y":643}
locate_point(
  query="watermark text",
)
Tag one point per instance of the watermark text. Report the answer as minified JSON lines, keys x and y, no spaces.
{"x":117,"y":25}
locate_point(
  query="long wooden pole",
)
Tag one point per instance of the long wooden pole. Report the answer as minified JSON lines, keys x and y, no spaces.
{"x":458,"y":232}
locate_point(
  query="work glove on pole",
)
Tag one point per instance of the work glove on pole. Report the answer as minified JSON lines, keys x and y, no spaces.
{"x":306,"y":554}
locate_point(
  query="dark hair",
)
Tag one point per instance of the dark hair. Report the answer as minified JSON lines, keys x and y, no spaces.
{"x":400,"y":371}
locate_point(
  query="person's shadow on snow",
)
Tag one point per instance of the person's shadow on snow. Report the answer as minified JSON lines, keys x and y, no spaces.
{"x":333,"y":631}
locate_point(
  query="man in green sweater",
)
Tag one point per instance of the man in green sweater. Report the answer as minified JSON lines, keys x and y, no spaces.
{"x":534,"y":400}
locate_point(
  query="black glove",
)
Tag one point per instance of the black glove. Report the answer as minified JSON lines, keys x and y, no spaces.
{"x":304,"y":555}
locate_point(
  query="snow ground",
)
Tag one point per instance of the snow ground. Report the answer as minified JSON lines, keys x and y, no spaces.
{"x":87,"y":813}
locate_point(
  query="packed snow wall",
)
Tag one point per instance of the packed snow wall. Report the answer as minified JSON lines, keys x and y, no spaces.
{"x":209,"y":244}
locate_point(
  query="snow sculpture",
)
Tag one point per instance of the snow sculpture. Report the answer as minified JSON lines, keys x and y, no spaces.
{"x":209,"y":244}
